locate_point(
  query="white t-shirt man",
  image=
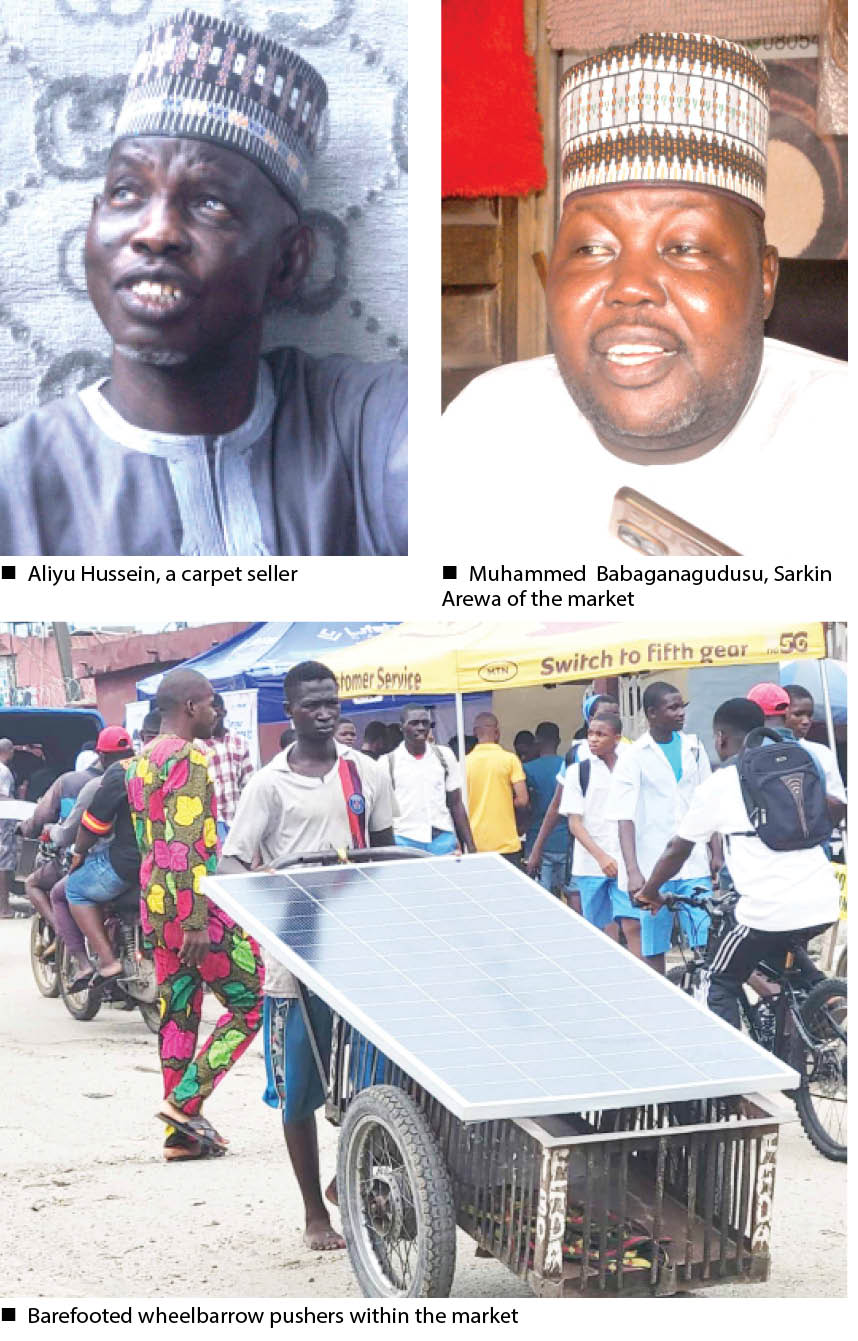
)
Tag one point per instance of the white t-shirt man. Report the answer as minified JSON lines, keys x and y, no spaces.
{"x":591,"y":806}
{"x":800,"y":398}
{"x":644,"y":789}
{"x":828,"y":760}
{"x":422,"y":783}
{"x":281,"y":812}
{"x":780,"y":891}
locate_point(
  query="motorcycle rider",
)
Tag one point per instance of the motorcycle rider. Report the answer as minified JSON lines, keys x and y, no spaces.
{"x":54,"y":806}
{"x":109,"y":866}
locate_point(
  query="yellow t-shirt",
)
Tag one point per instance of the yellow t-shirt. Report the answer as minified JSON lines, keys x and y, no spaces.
{"x":491,"y":771}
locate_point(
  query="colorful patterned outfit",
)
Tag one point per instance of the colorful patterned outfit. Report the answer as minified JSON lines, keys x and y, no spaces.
{"x":172,"y":801}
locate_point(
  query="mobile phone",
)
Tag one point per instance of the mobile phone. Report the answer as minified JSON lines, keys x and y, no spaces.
{"x":653,"y":530}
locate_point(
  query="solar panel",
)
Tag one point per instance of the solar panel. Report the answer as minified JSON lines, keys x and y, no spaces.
{"x":496,"y":998}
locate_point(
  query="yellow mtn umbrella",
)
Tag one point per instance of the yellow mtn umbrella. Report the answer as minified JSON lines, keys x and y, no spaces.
{"x":458,"y":658}
{"x":451,"y":658}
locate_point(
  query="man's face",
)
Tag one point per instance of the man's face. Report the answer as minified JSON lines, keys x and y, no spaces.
{"x":182,"y":248}
{"x":669,"y":714}
{"x":601,"y":738}
{"x":416,"y":728}
{"x":203,"y":713}
{"x":656,"y":301}
{"x":799,"y":716}
{"x":315,"y":709}
{"x":346,"y":734}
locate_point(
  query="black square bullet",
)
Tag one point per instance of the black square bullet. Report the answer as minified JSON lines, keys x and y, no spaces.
{"x":8,"y":570}
{"x":7,"y":1314}
{"x":448,"y":570}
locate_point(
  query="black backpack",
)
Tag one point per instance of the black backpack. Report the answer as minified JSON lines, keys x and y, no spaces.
{"x":571,"y":758}
{"x":783,"y":792}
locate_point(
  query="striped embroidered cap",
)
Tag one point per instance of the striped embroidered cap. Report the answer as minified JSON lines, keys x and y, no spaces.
{"x":678,"y":108}
{"x":202,"y":78}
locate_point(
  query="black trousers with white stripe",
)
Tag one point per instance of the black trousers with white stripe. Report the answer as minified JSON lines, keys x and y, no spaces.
{"x":738,"y":953}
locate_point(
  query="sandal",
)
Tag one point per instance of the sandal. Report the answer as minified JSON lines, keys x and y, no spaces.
{"x":179,"y":1147}
{"x":81,"y":982}
{"x":197,"y":1128}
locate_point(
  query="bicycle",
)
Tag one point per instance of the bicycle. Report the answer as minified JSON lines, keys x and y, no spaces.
{"x":804,"y":1025}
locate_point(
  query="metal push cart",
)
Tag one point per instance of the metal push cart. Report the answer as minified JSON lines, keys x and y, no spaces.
{"x":650,"y":1198}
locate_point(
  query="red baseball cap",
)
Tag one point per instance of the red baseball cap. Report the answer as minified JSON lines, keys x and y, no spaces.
{"x":770,"y":697}
{"x":112,"y":739}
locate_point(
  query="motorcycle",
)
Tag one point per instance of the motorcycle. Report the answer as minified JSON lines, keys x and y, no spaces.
{"x":136,"y":986}
{"x":44,"y":942}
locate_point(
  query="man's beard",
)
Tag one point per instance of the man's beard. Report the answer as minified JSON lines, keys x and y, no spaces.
{"x":709,"y":409}
{"x":155,"y":358}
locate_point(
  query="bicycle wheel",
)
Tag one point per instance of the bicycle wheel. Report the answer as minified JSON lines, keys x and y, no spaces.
{"x":44,"y":966}
{"x":83,"y":1005}
{"x":396,"y":1199}
{"x":821,"y":1096}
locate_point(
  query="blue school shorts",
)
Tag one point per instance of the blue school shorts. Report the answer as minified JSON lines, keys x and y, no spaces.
{"x":656,"y":931}
{"x":440,"y":846}
{"x":602,"y":900}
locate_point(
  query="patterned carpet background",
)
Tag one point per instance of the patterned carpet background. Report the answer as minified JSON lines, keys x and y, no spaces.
{"x":62,"y":72}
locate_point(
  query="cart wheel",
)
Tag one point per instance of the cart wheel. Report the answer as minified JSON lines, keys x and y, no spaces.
{"x":396,"y":1199}
{"x":45,"y":971}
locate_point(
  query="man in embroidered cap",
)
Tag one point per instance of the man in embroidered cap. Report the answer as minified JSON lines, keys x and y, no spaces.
{"x":659,"y":284}
{"x":195,"y":444}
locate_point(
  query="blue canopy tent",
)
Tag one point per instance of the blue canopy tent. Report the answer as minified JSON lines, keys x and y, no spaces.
{"x":259,"y":657}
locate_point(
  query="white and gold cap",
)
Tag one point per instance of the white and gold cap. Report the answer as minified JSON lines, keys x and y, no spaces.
{"x":678,"y":108}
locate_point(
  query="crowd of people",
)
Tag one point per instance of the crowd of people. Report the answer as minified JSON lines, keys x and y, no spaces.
{"x":610,"y":825}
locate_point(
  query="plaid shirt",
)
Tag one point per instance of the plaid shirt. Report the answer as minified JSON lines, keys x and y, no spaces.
{"x":229,"y":762}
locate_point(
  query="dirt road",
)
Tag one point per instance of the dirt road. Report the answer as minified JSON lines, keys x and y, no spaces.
{"x":95,"y":1212}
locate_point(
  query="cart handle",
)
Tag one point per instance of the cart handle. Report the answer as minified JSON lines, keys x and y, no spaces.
{"x":348,"y":856}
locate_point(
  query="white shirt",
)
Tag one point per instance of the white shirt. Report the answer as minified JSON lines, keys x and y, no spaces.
{"x":591,"y":807}
{"x":584,"y":752}
{"x":828,"y":759}
{"x":644,"y":789}
{"x":281,"y":812}
{"x":524,"y":408}
{"x":779,"y":890}
{"x":7,"y":781}
{"x":421,"y":791}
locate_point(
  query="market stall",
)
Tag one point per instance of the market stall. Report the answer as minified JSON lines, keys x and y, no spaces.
{"x":462,"y":658}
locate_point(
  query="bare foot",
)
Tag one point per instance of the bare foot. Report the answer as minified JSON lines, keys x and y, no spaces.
{"x":331,"y":1192}
{"x":111,"y":969}
{"x":321,"y":1237}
